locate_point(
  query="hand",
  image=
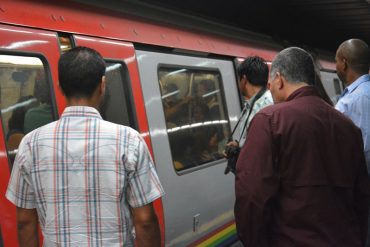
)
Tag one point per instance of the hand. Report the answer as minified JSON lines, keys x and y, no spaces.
{"x":229,"y":145}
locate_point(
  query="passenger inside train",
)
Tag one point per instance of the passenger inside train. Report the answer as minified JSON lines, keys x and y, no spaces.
{"x":15,"y":123}
{"x":175,"y":107}
{"x":207,"y":90}
{"x":41,"y":114}
{"x":21,"y":94}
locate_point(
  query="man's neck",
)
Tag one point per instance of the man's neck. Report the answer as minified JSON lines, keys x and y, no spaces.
{"x":82,"y":102}
{"x":291,"y":88}
{"x":252,"y":91}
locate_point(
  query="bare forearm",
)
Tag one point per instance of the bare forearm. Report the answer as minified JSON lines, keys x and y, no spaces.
{"x":27,"y":222}
{"x":28,"y":235}
{"x":148,"y":234}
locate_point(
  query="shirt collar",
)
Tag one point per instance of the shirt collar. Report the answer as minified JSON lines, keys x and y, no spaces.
{"x":358,"y":82}
{"x":81,"y":111}
{"x":303,"y":91}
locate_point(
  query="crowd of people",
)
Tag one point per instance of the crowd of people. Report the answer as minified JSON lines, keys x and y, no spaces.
{"x":301,"y":178}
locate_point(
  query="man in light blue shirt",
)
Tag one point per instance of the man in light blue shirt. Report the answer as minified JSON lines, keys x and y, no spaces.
{"x":352,"y":65}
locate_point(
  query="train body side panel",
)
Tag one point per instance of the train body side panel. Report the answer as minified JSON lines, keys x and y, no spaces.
{"x":71,"y":17}
{"x":34,"y":43}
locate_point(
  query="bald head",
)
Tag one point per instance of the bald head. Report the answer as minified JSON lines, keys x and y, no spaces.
{"x":357,"y":55}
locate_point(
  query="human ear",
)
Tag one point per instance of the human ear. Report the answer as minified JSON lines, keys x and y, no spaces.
{"x":345,"y":64}
{"x":102,"y":86}
{"x":280,"y":80}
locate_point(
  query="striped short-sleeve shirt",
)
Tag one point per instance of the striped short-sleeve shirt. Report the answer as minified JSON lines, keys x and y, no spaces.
{"x":83,"y":174}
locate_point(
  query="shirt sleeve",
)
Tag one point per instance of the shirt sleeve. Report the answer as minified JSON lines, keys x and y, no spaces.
{"x":358,"y":110}
{"x":256,"y":184}
{"x":20,"y":190}
{"x":261,"y":103}
{"x":143,"y":183}
{"x":363,"y":122}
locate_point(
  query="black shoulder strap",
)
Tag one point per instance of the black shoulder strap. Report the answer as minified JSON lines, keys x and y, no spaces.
{"x":237,"y":124}
{"x":258,"y":95}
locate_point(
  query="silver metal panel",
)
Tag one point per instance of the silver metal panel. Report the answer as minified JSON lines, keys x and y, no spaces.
{"x":200,"y":201}
{"x":329,"y":79}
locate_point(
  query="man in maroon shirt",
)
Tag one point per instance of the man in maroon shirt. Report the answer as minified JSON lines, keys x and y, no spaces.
{"x":301,"y":176}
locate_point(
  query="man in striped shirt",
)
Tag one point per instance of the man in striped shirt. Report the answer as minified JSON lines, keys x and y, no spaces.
{"x":88,"y":182}
{"x":253,"y":72}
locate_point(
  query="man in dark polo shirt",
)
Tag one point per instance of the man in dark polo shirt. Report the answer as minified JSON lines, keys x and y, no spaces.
{"x":301,"y":176}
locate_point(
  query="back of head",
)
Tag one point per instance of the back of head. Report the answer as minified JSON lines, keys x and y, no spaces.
{"x":255,"y":69}
{"x":357,"y":54}
{"x":296,"y":65}
{"x":80,"y":71}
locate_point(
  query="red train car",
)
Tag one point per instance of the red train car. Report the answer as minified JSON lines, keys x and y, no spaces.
{"x":146,"y":57}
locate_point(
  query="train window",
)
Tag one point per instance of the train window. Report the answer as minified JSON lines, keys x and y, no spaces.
{"x":117,"y":106}
{"x":25,"y":98}
{"x":195,"y":111}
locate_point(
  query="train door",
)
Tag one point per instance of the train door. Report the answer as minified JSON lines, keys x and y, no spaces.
{"x":28,"y":59}
{"x":123,"y":100}
{"x":190,"y":102}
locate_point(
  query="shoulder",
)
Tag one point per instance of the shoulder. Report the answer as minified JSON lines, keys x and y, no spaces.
{"x":120,"y":131}
{"x":113,"y":126}
{"x":273,"y":108}
{"x":44,"y":130}
{"x":267,"y":95}
{"x":33,"y":138}
{"x":294,"y":107}
{"x":358,"y":96}
{"x":265,"y":100}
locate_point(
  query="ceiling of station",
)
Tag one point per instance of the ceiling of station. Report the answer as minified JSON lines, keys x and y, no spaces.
{"x":316,"y":23}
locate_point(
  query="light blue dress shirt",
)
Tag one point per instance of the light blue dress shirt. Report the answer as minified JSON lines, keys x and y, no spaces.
{"x":355,"y":104}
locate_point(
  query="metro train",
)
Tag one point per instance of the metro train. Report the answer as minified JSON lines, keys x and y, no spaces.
{"x":176,"y":85}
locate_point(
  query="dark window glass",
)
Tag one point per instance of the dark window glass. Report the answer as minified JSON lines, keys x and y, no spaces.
{"x":195,"y":112}
{"x":25,"y":98}
{"x":117,"y":106}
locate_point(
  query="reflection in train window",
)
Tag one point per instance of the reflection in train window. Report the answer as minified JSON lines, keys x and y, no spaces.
{"x":195,"y":111}
{"x":117,"y":107}
{"x":25,"y":99}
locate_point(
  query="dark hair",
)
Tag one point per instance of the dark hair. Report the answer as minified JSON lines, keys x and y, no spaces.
{"x":255,"y":69}
{"x":295,"y":64}
{"x":80,"y":71}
